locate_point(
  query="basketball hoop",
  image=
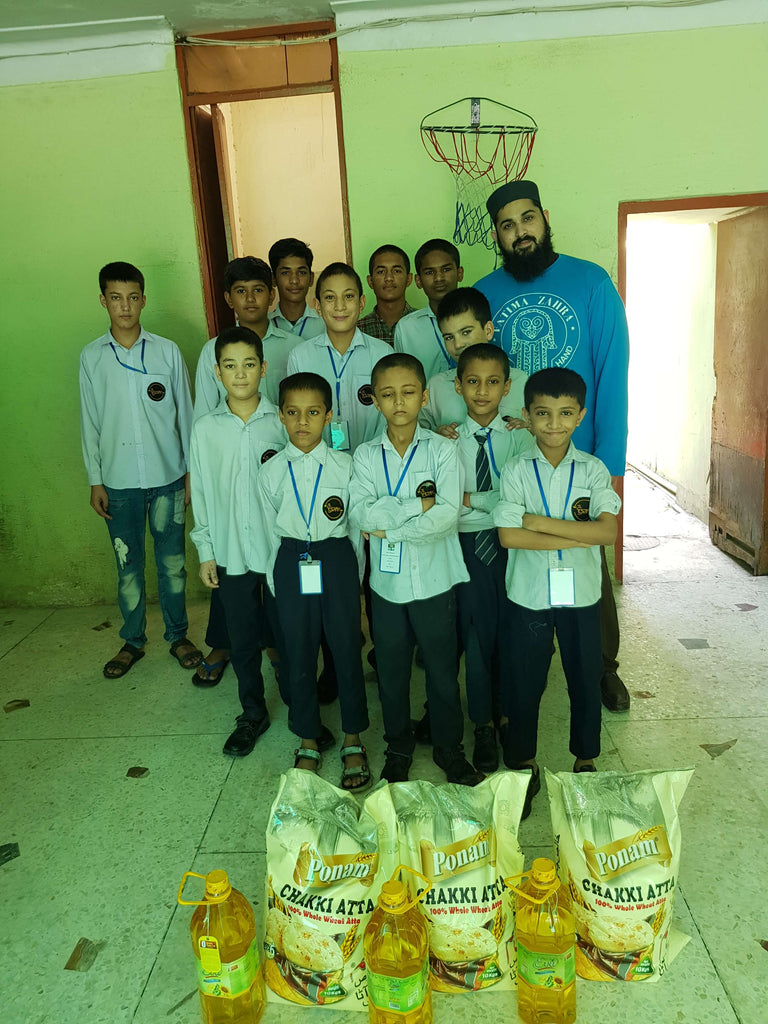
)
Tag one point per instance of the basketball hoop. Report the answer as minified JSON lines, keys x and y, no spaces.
{"x":479,"y":155}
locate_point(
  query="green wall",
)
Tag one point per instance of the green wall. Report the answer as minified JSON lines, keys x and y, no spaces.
{"x":97,"y":170}
{"x":637,"y":117}
{"x":92,"y":171}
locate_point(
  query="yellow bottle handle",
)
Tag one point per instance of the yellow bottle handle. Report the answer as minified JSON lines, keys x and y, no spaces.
{"x":526,"y":895}
{"x":408,"y":906}
{"x":204,"y":900}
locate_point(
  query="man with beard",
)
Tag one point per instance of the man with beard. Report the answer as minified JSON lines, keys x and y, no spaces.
{"x":555,"y":310}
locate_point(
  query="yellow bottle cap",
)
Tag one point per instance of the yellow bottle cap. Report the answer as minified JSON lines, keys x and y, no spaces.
{"x":543,"y":871}
{"x":217,"y":885}
{"x":392,"y":895}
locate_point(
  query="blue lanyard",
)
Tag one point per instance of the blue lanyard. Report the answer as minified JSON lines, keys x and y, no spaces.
{"x":307,"y":519}
{"x":303,"y":324}
{"x":490,"y":452}
{"x":451,"y":362}
{"x":125,"y":365}
{"x":544,"y":498}
{"x":338,"y":374}
{"x":392,"y":493}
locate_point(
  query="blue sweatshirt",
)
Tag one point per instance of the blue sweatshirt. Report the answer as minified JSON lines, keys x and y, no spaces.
{"x":571,"y":315}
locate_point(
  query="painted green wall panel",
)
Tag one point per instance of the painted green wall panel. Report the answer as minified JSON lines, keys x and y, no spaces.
{"x":663,"y":115}
{"x":91,"y":171}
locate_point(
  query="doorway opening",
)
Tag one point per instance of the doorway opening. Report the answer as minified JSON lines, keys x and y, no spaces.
{"x":266,"y":149}
{"x":698,"y":378}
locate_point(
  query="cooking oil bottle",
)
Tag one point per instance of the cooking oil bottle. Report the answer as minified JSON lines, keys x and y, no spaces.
{"x":545,"y":935}
{"x":396,"y":948}
{"x":223,"y":933}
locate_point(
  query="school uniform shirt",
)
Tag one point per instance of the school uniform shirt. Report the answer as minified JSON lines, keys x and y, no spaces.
{"x":527,"y":575}
{"x":210,"y":392}
{"x":309,"y":324}
{"x":226,"y":460}
{"x":135,"y":412}
{"x":353,"y":398}
{"x":372,"y":324}
{"x":330,"y":516}
{"x":504,"y":445}
{"x":445,"y":406}
{"x":419,"y":335}
{"x":431,"y":560}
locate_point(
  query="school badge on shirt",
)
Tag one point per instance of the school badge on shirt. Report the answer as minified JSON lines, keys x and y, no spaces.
{"x":156,"y":391}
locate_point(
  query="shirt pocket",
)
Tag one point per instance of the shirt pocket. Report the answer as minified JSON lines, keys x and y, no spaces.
{"x":362,"y":393}
{"x":331,"y":510}
{"x":156,"y":391}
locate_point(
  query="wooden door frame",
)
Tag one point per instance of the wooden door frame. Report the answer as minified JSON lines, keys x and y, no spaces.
{"x":312,"y":31}
{"x":626,"y":209}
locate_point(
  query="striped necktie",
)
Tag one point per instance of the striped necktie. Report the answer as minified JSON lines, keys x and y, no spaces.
{"x":486,"y":546}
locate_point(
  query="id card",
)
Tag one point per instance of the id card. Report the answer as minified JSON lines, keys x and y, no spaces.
{"x":310,"y":577}
{"x":562,"y":588}
{"x":391,"y":553}
{"x":340,"y":435}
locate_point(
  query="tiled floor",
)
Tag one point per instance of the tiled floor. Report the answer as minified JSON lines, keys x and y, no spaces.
{"x":100,"y":855}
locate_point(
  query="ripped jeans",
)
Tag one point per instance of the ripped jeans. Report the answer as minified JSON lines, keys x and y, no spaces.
{"x":164,"y":507}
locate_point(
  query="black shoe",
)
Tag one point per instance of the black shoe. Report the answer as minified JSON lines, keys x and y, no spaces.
{"x":326,"y":740}
{"x":613,"y":692}
{"x":422,"y":730}
{"x":456,"y":767}
{"x":533,"y":786}
{"x":396,"y":766}
{"x":485,"y":756}
{"x":327,"y":687}
{"x":243,"y":739}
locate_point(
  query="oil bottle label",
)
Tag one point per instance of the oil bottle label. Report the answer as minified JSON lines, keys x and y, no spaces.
{"x":399,"y":995}
{"x":546,"y":970}
{"x":226,"y":980}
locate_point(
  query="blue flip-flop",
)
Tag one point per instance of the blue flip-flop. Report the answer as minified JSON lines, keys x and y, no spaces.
{"x":210,"y":679}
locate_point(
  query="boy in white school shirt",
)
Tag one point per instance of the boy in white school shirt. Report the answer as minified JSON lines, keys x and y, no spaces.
{"x":314,"y":573}
{"x":249,"y":292}
{"x":464,"y":319}
{"x":406,"y":494}
{"x":557,"y":508}
{"x":229,"y":447}
{"x":344,"y":356}
{"x":135,"y":419}
{"x":438,"y":271}
{"x":485,"y":444}
{"x":291,"y":263}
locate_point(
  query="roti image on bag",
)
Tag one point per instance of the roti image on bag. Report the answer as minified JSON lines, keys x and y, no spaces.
{"x":617,"y":848}
{"x":465,"y":841}
{"x":324,"y":874}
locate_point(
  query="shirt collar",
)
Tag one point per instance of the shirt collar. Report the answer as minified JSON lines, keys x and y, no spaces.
{"x":109,"y":339}
{"x":422,"y":434}
{"x":470,"y":426}
{"x":318,"y":453}
{"x":323,"y":341}
{"x":264,"y":408}
{"x":534,"y":452}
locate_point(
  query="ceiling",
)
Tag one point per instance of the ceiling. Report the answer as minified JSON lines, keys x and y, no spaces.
{"x":187,"y":17}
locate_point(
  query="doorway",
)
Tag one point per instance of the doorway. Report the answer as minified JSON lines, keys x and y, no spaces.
{"x":693,"y":279}
{"x":266,"y":148}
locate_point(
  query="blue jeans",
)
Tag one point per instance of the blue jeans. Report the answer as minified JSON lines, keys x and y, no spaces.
{"x":164,"y":507}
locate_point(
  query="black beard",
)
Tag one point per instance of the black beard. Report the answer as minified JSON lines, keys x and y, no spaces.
{"x":528,"y":265}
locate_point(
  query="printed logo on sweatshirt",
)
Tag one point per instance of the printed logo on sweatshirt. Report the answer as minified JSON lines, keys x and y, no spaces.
{"x":267,"y":455}
{"x":580,"y":510}
{"x":156,"y":391}
{"x":365,"y":395}
{"x":333,"y":508}
{"x":426,"y":489}
{"x":537,"y":330}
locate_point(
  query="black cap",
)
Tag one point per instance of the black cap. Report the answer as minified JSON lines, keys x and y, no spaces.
{"x":509,"y":193}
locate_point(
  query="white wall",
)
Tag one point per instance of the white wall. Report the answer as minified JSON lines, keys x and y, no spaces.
{"x":670,"y":307}
{"x":284,"y":175}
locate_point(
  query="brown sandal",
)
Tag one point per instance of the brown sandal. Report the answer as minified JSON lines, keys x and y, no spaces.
{"x":185,"y":652}
{"x":116,"y":669}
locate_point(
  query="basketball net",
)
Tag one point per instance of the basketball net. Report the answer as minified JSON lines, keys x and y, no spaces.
{"x":480,"y":157}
